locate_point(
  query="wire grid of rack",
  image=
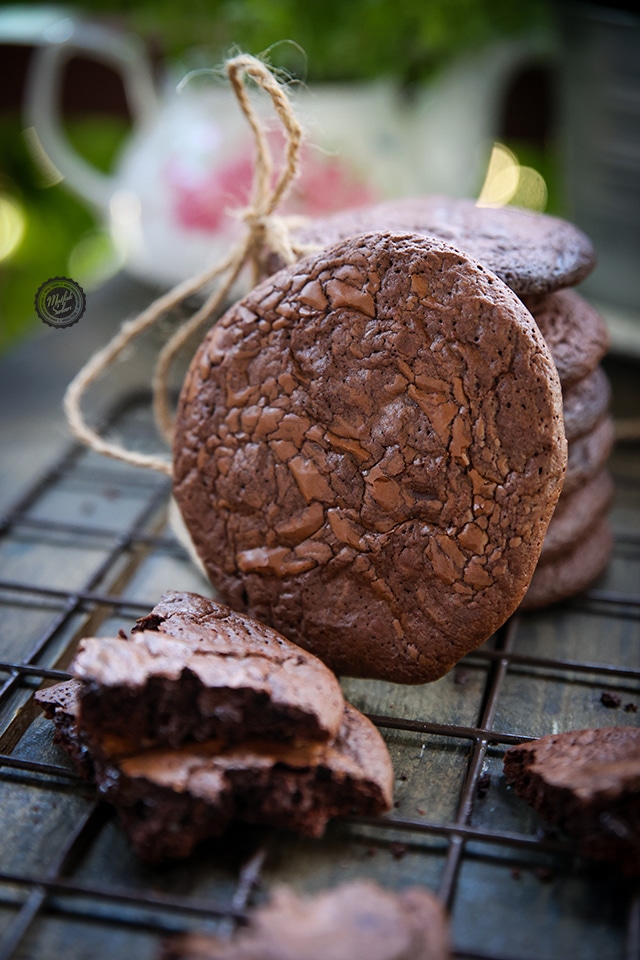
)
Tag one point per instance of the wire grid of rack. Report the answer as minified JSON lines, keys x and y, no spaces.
{"x":87,"y":549}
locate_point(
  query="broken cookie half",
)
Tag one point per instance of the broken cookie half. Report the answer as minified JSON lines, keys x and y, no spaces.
{"x":244,"y":727}
{"x":194,"y":669}
{"x":169,"y":799}
{"x":588,"y":783}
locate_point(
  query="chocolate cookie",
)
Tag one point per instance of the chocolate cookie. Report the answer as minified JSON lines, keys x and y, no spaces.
{"x":194,"y":669}
{"x":368,"y":449}
{"x":588,"y":454}
{"x":588,"y":783}
{"x":585,"y":402}
{"x":575,"y":332}
{"x":168,"y":800}
{"x":357,"y":919}
{"x":532,"y":252}
{"x":576,"y":514}
{"x":571,"y":572}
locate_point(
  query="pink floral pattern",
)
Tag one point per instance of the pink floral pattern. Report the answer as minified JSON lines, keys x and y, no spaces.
{"x":203,"y":199}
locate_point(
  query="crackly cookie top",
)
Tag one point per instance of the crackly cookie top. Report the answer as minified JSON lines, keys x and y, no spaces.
{"x":532,"y":252}
{"x":369,"y":447}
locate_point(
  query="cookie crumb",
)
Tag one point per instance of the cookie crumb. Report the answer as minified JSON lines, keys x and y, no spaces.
{"x":460,"y":677}
{"x":544,"y":874}
{"x":484,"y":782}
{"x":631,"y":708}
{"x":398,"y":850}
{"x":122,"y":634}
{"x":610,"y":700}
{"x":547,"y":833}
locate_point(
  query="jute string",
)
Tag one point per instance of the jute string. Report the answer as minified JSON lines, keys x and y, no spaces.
{"x":263,"y":231}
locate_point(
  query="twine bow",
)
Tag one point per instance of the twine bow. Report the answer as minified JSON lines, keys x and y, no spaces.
{"x":264,"y":230}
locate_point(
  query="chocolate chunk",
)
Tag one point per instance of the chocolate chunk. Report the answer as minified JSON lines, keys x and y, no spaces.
{"x":194,"y":669}
{"x":588,"y":783}
{"x":169,"y":799}
{"x":368,"y":449}
{"x":357,"y":919}
{"x":530,"y":252}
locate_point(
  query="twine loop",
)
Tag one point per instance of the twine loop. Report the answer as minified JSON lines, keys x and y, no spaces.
{"x":263,"y":231}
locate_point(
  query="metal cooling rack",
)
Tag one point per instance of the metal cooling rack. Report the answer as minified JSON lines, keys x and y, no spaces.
{"x":87,"y":549}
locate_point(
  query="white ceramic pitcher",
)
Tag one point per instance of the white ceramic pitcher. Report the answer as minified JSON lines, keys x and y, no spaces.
{"x":187,"y":163}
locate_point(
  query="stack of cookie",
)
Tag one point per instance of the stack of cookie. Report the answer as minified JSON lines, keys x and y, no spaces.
{"x":204,"y":717}
{"x":578,"y":543}
{"x":540,"y":257}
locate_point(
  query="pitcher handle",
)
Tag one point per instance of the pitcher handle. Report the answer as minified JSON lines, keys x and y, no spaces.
{"x":126,"y":54}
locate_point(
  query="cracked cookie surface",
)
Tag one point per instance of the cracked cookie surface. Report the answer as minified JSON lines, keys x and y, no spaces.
{"x":368,"y":449}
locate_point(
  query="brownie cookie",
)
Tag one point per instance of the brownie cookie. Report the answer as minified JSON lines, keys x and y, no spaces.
{"x":368,"y":450}
{"x":588,"y":783}
{"x":357,"y":919}
{"x":532,"y":252}
{"x":168,"y":800}
{"x":576,"y":514}
{"x":571,"y":572}
{"x":585,"y":402}
{"x":575,"y":332}
{"x":588,"y":454}
{"x":194,"y":669}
